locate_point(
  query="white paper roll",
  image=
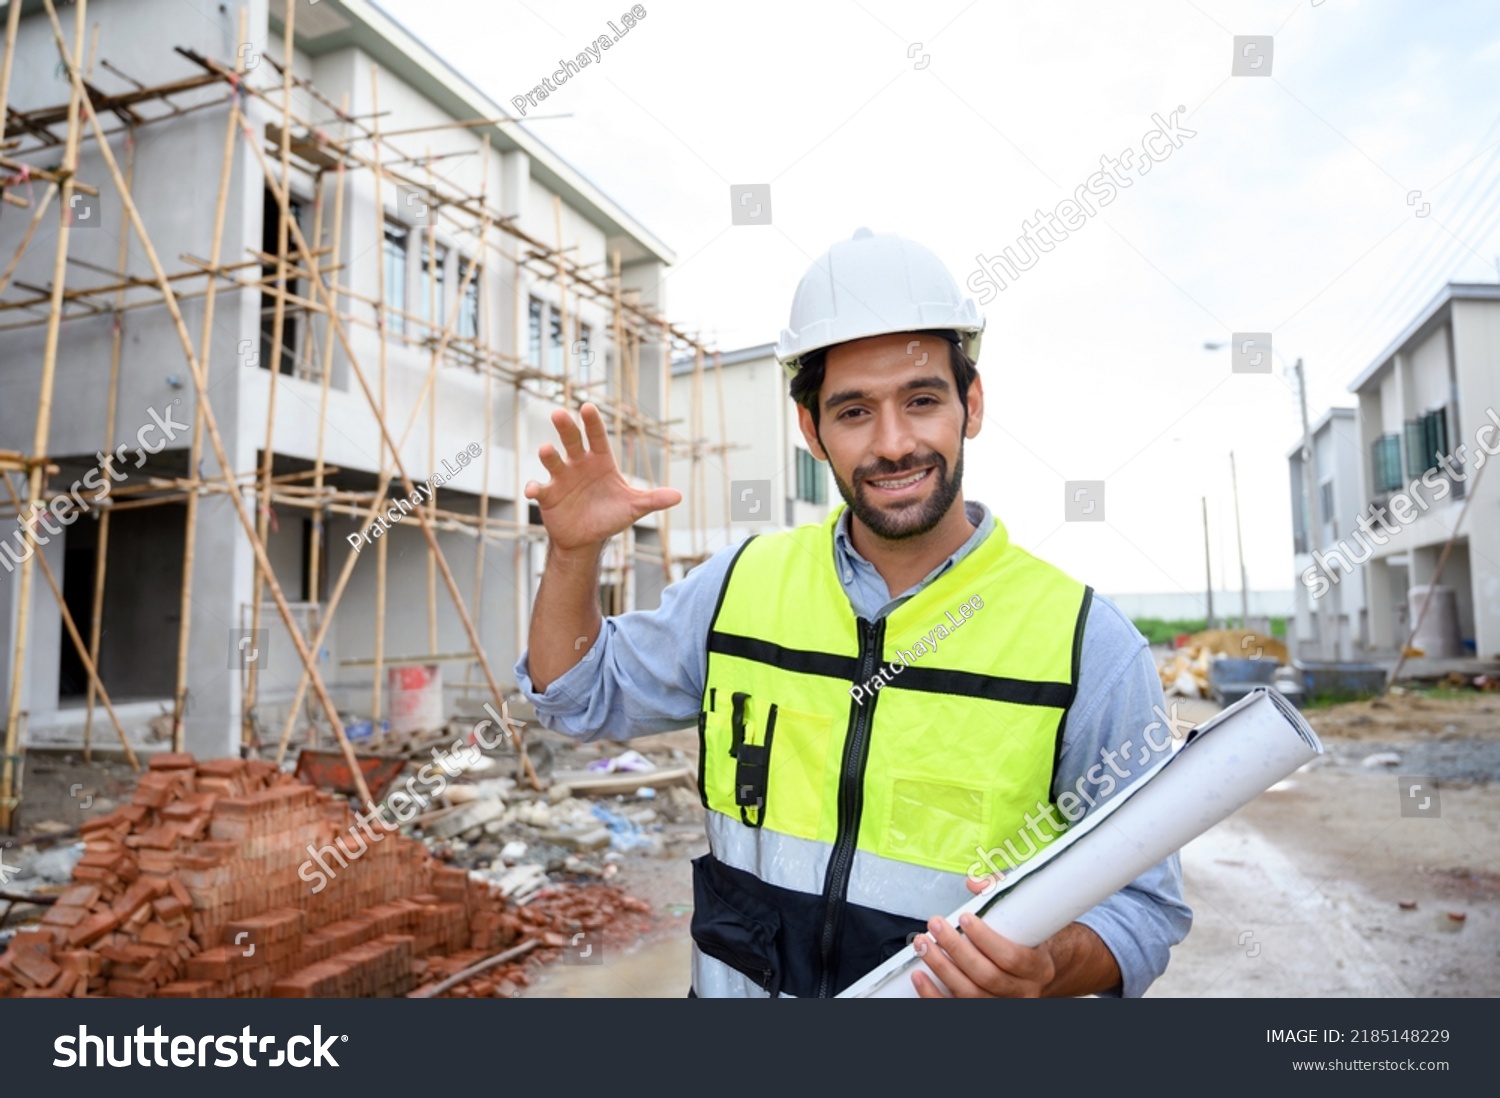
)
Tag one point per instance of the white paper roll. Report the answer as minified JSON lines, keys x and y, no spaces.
{"x":1226,"y":762}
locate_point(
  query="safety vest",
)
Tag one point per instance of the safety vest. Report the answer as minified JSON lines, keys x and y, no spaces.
{"x":853,"y":771}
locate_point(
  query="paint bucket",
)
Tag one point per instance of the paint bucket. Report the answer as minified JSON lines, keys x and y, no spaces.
{"x":416,"y":697}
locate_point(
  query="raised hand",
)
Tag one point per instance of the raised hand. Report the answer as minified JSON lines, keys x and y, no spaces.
{"x":588,"y":500}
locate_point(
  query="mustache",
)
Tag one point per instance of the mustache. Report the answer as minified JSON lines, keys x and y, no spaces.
{"x":881,"y":469}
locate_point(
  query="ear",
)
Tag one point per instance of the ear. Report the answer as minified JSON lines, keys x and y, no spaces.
{"x":810,"y":433}
{"x":976,"y":406}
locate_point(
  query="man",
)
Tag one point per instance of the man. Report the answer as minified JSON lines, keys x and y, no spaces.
{"x":890,"y":703}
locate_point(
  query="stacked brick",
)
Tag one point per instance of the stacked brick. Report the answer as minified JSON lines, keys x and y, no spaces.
{"x":200,"y":888}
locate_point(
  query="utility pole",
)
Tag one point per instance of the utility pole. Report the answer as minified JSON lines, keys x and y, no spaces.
{"x":1309,"y":485}
{"x":1208,"y":567}
{"x":1239,"y":541}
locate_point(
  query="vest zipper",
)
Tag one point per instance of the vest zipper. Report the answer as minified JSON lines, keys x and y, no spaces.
{"x":851,"y":802}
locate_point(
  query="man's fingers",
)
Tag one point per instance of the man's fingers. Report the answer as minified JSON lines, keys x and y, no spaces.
{"x":593,"y":423}
{"x":656,"y":499}
{"x":1011,"y":957}
{"x":935,"y":950}
{"x":532,"y":490}
{"x":567,"y":430}
{"x":926,"y":988}
{"x":550,"y":459}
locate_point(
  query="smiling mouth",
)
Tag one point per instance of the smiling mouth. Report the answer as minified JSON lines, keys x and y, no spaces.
{"x":904,"y":483}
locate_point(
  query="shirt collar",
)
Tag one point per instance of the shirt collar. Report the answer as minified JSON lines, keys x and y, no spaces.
{"x":848,"y":558}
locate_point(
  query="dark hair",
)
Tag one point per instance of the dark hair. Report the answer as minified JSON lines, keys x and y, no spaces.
{"x":808,"y":381}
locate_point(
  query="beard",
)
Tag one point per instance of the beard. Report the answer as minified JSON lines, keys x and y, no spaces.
{"x":907,"y":518}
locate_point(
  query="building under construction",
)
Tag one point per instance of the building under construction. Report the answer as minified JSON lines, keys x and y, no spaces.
{"x":285,"y":303}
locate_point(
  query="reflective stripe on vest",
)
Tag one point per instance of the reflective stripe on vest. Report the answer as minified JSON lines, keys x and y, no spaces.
{"x":847,"y":805}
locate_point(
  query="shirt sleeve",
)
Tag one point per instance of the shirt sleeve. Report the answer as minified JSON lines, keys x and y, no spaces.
{"x":1116,"y":731}
{"x":645,"y":671}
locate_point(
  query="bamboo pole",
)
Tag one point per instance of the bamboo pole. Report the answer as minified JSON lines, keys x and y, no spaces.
{"x":382,"y":315}
{"x":315,"y":550}
{"x":12,"y":31}
{"x":278,"y":331}
{"x":195,"y":445}
{"x":43,"y":429}
{"x":481,"y":335}
{"x":200,"y":380}
{"x":431,"y":312}
{"x":520,"y":409}
{"x":562,"y":306}
{"x":101,"y":548}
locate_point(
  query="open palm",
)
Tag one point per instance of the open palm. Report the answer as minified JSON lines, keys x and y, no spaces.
{"x":587,"y":501}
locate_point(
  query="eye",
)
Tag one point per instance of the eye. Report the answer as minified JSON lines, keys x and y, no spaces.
{"x":849,"y":413}
{"x":925,"y":400}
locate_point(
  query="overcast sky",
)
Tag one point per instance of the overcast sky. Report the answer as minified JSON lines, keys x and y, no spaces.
{"x":950,"y":122}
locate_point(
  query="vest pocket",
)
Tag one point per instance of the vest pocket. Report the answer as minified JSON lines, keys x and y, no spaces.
{"x":935,"y":823}
{"x":734,"y":927}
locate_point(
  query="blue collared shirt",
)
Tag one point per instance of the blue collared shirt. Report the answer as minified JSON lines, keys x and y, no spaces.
{"x":646,"y":671}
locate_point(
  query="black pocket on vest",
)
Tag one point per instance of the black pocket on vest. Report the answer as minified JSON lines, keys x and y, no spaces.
{"x":734,"y":927}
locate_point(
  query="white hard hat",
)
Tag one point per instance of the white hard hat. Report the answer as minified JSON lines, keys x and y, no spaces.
{"x":875,"y":284}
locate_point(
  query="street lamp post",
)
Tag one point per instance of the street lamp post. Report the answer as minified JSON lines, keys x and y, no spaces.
{"x":1309,"y":483}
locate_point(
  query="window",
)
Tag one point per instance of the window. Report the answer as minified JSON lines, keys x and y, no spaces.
{"x":1325,"y":502}
{"x":534,"y":333}
{"x":1386,"y":455}
{"x":431,"y":306}
{"x":554,"y":327}
{"x":395,"y":275}
{"x":1426,"y":441}
{"x":812,"y":484}
{"x":468,"y":309}
{"x":291,"y":315}
{"x":584,"y":342}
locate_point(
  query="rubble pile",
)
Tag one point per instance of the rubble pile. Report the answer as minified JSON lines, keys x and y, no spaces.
{"x":1187,"y":671}
{"x":200,"y":887}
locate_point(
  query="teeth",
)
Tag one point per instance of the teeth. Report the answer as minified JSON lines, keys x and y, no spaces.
{"x":902,"y":483}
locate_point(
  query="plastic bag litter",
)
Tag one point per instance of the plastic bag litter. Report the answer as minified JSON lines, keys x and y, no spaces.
{"x":632,"y":762}
{"x":623,"y":834}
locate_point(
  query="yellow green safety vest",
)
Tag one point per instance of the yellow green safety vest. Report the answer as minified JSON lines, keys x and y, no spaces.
{"x":843,"y":814}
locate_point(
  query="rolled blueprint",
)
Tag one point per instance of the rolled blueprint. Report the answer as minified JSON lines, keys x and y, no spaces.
{"x":1225,"y":763}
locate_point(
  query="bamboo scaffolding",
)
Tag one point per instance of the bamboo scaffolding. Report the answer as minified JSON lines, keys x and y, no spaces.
{"x":200,"y":380}
{"x":42,"y":433}
{"x":327,"y":306}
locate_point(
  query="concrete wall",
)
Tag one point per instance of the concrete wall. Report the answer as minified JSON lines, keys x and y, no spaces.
{"x":1476,"y":344}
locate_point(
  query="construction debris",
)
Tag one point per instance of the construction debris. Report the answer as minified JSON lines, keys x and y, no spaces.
{"x":200,"y":887}
{"x":1188,"y":670}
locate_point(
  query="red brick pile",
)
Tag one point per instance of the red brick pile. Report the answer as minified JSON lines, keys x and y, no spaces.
{"x":192,"y":890}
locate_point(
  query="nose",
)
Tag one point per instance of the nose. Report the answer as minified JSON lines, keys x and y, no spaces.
{"x":894,"y":440}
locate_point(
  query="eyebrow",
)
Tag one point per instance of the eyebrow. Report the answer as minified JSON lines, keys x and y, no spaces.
{"x":932,"y":381}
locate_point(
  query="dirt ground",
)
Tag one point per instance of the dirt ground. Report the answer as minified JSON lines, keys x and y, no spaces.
{"x":1320,"y":887}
